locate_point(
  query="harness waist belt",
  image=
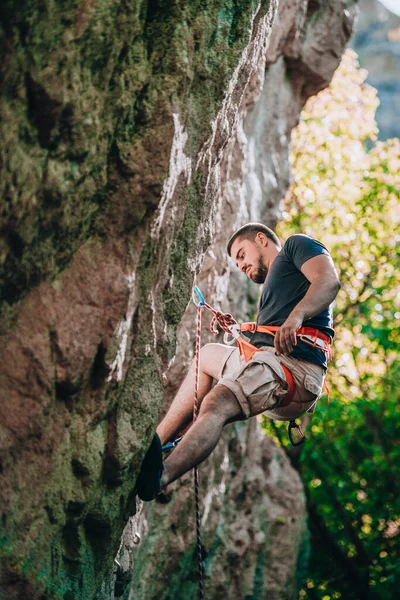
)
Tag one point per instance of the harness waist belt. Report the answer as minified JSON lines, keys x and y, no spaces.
{"x":309,"y":335}
{"x":271,"y":329}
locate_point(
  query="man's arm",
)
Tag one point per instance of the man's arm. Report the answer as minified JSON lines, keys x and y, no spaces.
{"x":321,"y":273}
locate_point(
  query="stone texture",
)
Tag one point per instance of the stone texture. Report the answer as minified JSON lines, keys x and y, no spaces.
{"x":255,"y":175}
{"x":377,"y":42}
{"x":133,"y":133}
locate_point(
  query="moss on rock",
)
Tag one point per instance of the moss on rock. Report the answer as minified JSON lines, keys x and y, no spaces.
{"x":89,"y":90}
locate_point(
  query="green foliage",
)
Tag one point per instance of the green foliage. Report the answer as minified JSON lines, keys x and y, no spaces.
{"x":346,"y":193}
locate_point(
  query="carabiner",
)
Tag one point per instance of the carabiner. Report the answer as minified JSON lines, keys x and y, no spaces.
{"x":234,"y":334}
{"x":294,"y":425}
{"x":199,"y":301}
{"x":172,"y":445}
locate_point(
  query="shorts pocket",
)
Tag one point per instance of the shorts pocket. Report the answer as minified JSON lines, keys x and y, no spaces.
{"x":269,"y":361}
{"x":313,"y":384}
{"x":258,"y":380}
{"x":259,"y":386}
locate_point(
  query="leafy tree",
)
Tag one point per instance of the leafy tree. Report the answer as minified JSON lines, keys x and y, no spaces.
{"x":345,"y":193}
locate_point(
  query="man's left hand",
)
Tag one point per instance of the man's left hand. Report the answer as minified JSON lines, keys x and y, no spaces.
{"x":285,"y":338}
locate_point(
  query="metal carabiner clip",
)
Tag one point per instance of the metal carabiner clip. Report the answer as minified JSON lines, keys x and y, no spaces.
{"x":172,"y":445}
{"x":294,"y":425}
{"x":234,"y":334}
{"x":199,"y":301}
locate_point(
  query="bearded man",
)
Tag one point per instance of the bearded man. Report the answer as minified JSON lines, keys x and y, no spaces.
{"x":290,"y":340}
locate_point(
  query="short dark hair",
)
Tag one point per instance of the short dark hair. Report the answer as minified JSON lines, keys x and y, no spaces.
{"x":249,"y":232}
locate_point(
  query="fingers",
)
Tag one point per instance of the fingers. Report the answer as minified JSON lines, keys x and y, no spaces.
{"x":285,"y":340}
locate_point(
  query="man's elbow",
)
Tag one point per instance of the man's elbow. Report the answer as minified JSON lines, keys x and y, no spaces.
{"x":332,"y":283}
{"x":336,"y":285}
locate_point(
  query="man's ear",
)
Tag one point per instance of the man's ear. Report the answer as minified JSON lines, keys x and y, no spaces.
{"x":261,"y":239}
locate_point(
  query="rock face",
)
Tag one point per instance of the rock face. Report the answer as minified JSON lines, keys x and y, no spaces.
{"x":132,"y":135}
{"x":254,"y":177}
{"x":377,"y":42}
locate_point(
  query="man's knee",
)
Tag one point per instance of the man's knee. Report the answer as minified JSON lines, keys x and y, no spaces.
{"x":222,"y":403}
{"x":212,"y":358}
{"x":209,"y":350}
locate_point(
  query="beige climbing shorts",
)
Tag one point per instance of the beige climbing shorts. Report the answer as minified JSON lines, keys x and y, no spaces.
{"x":259,"y":385}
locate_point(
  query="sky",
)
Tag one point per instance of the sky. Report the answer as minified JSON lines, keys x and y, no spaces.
{"x":392,"y":5}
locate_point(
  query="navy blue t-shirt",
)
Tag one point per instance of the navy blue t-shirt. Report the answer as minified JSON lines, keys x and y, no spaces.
{"x":284,"y":287}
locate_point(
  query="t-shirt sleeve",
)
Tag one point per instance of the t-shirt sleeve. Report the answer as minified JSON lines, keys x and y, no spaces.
{"x":299,"y":248}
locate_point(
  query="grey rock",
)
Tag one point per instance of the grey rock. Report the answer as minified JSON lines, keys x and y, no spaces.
{"x":377,"y":43}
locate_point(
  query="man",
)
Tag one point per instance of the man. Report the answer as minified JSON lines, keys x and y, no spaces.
{"x":300,"y":283}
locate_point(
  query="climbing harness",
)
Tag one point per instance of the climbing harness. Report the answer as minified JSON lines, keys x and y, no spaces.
{"x":229,"y":325}
{"x":309,"y":335}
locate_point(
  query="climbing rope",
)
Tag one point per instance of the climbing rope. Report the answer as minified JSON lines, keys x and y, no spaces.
{"x":195,"y":470}
{"x":225,"y":321}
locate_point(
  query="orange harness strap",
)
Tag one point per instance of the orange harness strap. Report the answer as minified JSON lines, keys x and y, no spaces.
{"x":272,"y":329}
{"x":287,"y":399}
{"x":247,"y":351}
{"x":261,"y":328}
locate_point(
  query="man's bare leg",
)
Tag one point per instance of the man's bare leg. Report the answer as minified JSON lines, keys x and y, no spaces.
{"x":219,"y":407}
{"x":212,"y":357}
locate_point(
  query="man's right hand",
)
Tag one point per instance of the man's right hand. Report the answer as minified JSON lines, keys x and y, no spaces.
{"x":285,"y":338}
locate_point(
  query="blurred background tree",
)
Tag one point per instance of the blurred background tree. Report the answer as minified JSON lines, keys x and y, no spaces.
{"x":346,"y":193}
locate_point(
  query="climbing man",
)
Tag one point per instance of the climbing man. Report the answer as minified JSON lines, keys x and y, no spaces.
{"x":293,"y":331}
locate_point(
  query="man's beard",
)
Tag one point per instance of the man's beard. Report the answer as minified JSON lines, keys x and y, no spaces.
{"x":261,"y":272}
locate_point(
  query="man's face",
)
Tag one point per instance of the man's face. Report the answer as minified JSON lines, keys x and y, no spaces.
{"x":248,"y":258}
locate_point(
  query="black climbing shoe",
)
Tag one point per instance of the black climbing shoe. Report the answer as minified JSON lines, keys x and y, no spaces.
{"x":149,"y":480}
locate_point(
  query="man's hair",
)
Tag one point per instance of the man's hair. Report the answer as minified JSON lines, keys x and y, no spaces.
{"x":249,"y":232}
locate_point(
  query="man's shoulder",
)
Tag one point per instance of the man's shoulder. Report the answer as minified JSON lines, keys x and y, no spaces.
{"x":301,"y":240}
{"x":300,"y":247}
